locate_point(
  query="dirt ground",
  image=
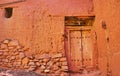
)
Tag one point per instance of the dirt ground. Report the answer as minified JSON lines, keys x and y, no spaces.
{"x":7,"y":72}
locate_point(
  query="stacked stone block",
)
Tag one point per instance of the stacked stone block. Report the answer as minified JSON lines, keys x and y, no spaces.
{"x":13,"y":55}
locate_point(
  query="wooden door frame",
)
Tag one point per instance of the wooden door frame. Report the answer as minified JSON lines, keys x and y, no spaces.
{"x":67,"y":42}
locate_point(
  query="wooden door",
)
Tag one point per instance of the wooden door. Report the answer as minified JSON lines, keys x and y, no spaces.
{"x":79,"y":49}
{"x":75,"y":50}
{"x":87,"y":48}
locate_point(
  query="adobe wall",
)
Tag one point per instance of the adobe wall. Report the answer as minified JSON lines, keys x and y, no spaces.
{"x":41,"y":24}
{"x":108,"y":11}
{"x":39,"y":28}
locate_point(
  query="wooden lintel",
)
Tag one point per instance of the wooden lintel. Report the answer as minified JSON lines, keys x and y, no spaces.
{"x":9,"y":3}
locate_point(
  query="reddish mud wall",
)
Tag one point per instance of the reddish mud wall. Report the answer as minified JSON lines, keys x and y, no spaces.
{"x":108,"y":11}
{"x":39,"y":26}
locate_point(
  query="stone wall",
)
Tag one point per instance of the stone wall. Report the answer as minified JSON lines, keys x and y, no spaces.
{"x":14,"y":56}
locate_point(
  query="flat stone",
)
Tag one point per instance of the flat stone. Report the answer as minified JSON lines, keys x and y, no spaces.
{"x":16,"y":53}
{"x":64,"y":68}
{"x":55,"y":68}
{"x":63,"y":59}
{"x":25,"y":61}
{"x":1,"y":52}
{"x":20,"y":60}
{"x":32,"y":68}
{"x":46,"y":60}
{"x":47,"y":71}
{"x":13,"y":43}
{"x":38,"y":64}
{"x":31,"y":57}
{"x":5,"y":53}
{"x":18,"y":47}
{"x":14,"y":64}
{"x":18,"y":63}
{"x":44,"y":56}
{"x":64,"y":63}
{"x":40,"y":61}
{"x":26,"y":67}
{"x":50,"y":63}
{"x":25,"y":48}
{"x":20,"y":50}
{"x":42,"y":67}
{"x":9,"y":65}
{"x":5,"y":60}
{"x":84,"y":71}
{"x":22,"y":55}
{"x":6,"y":50}
{"x":31,"y":63}
{"x":14,"y":50}
{"x":48,"y":67}
{"x":13,"y":58}
{"x":58,"y":64}
{"x":3,"y":46}
{"x":44,"y":64}
{"x":35,"y":60}
{"x":56,"y":59}
{"x":6,"y":41}
{"x":57,"y":55}
{"x":58,"y":72}
{"x":11,"y":47}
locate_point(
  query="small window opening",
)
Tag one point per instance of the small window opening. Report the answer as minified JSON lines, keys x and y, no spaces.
{"x":8,"y":12}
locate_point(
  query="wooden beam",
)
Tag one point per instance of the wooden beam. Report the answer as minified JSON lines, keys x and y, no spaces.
{"x":9,"y":3}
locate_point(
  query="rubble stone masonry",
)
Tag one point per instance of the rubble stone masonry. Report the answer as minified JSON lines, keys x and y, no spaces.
{"x":13,"y":55}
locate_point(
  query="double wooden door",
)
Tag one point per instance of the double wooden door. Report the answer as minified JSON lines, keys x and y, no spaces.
{"x":79,"y":49}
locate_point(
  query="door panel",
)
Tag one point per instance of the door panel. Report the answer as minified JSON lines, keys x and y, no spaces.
{"x":87,"y":48}
{"x":80,"y":49}
{"x":75,"y":49}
